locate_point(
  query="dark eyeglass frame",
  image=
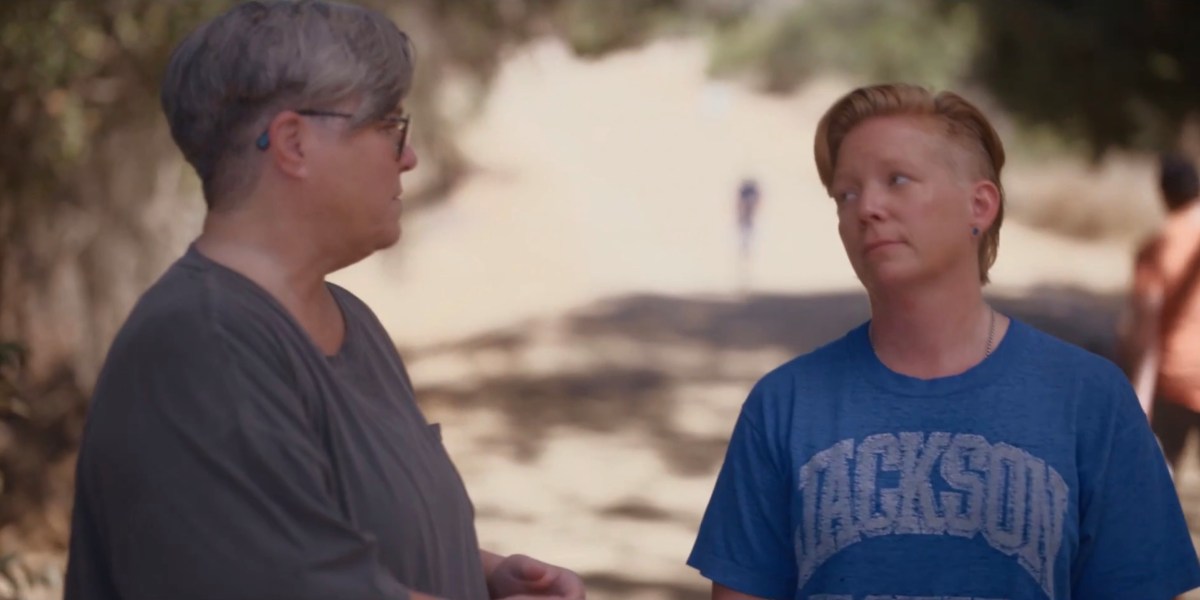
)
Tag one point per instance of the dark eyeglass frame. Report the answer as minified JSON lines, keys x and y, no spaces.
{"x":400,"y":122}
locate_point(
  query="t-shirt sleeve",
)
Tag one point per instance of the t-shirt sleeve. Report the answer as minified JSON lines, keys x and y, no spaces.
{"x":744,"y":540}
{"x":1134,"y":541}
{"x":204,"y":479}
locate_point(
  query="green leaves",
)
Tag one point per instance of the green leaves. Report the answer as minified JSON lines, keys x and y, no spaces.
{"x":1116,"y":73}
{"x":73,"y":69}
{"x":913,"y":41}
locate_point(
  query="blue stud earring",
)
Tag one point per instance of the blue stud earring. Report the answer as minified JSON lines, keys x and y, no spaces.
{"x":263,"y":142}
{"x":974,"y":231}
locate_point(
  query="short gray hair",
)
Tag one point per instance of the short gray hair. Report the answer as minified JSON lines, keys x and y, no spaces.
{"x":229,"y":77}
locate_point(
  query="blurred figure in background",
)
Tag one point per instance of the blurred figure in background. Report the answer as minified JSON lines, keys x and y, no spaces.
{"x":1161,"y":331}
{"x":748,"y":198}
{"x":253,"y":433}
{"x":940,"y":449}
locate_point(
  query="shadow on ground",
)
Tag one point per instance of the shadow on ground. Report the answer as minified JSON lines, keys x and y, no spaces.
{"x":644,"y":348}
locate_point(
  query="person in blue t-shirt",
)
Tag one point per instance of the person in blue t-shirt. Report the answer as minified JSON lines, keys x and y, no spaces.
{"x":941,"y":450}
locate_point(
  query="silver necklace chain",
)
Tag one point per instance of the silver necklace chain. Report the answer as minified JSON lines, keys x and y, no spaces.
{"x":987,"y":350}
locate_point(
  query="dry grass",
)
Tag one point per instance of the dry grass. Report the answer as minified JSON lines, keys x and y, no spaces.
{"x":1116,"y":199}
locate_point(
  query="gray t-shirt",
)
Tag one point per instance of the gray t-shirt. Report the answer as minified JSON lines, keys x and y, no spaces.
{"x":225,"y":458}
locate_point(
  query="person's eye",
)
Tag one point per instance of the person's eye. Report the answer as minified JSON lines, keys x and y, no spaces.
{"x":841,"y":197}
{"x":899,"y":179}
{"x":394,"y":124}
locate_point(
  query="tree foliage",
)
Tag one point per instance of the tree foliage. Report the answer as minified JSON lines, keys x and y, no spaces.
{"x":1101,"y":74}
{"x":1115,"y":73}
{"x":72,"y":70}
{"x":916,"y":40}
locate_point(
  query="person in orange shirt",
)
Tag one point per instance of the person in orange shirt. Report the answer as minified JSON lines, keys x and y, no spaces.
{"x":1162,"y":334}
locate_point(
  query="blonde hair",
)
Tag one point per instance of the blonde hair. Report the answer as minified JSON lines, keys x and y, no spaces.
{"x":963,"y":123}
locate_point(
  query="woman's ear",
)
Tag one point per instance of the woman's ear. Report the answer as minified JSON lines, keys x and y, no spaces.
{"x":985,"y":204}
{"x":285,"y":144}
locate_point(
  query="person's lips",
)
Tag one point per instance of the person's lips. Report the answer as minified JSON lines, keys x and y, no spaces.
{"x":878,"y":244}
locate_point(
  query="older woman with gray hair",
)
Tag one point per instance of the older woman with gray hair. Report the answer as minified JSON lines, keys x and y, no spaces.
{"x":253,"y":433}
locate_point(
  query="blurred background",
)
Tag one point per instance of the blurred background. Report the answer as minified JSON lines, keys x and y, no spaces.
{"x":581,"y":302}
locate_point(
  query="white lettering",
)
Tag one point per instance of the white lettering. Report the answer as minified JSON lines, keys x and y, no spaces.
{"x":1004,"y":522}
{"x":1015,"y":500}
{"x":816,"y":518}
{"x":876,"y":508}
{"x":918,"y":511}
{"x":965,"y":460}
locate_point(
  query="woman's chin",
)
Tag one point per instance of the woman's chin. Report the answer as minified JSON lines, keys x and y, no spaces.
{"x":888,"y":275}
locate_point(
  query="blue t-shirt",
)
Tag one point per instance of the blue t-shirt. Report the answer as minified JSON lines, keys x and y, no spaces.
{"x":1032,"y":476}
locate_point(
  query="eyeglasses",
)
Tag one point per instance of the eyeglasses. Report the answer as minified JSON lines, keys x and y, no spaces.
{"x":399,"y":123}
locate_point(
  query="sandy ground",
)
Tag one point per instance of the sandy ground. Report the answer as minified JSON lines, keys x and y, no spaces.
{"x":577,"y":318}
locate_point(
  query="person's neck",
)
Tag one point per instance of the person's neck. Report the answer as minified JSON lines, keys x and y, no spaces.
{"x":270,"y":252}
{"x":282,"y":259}
{"x":933,"y":330}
